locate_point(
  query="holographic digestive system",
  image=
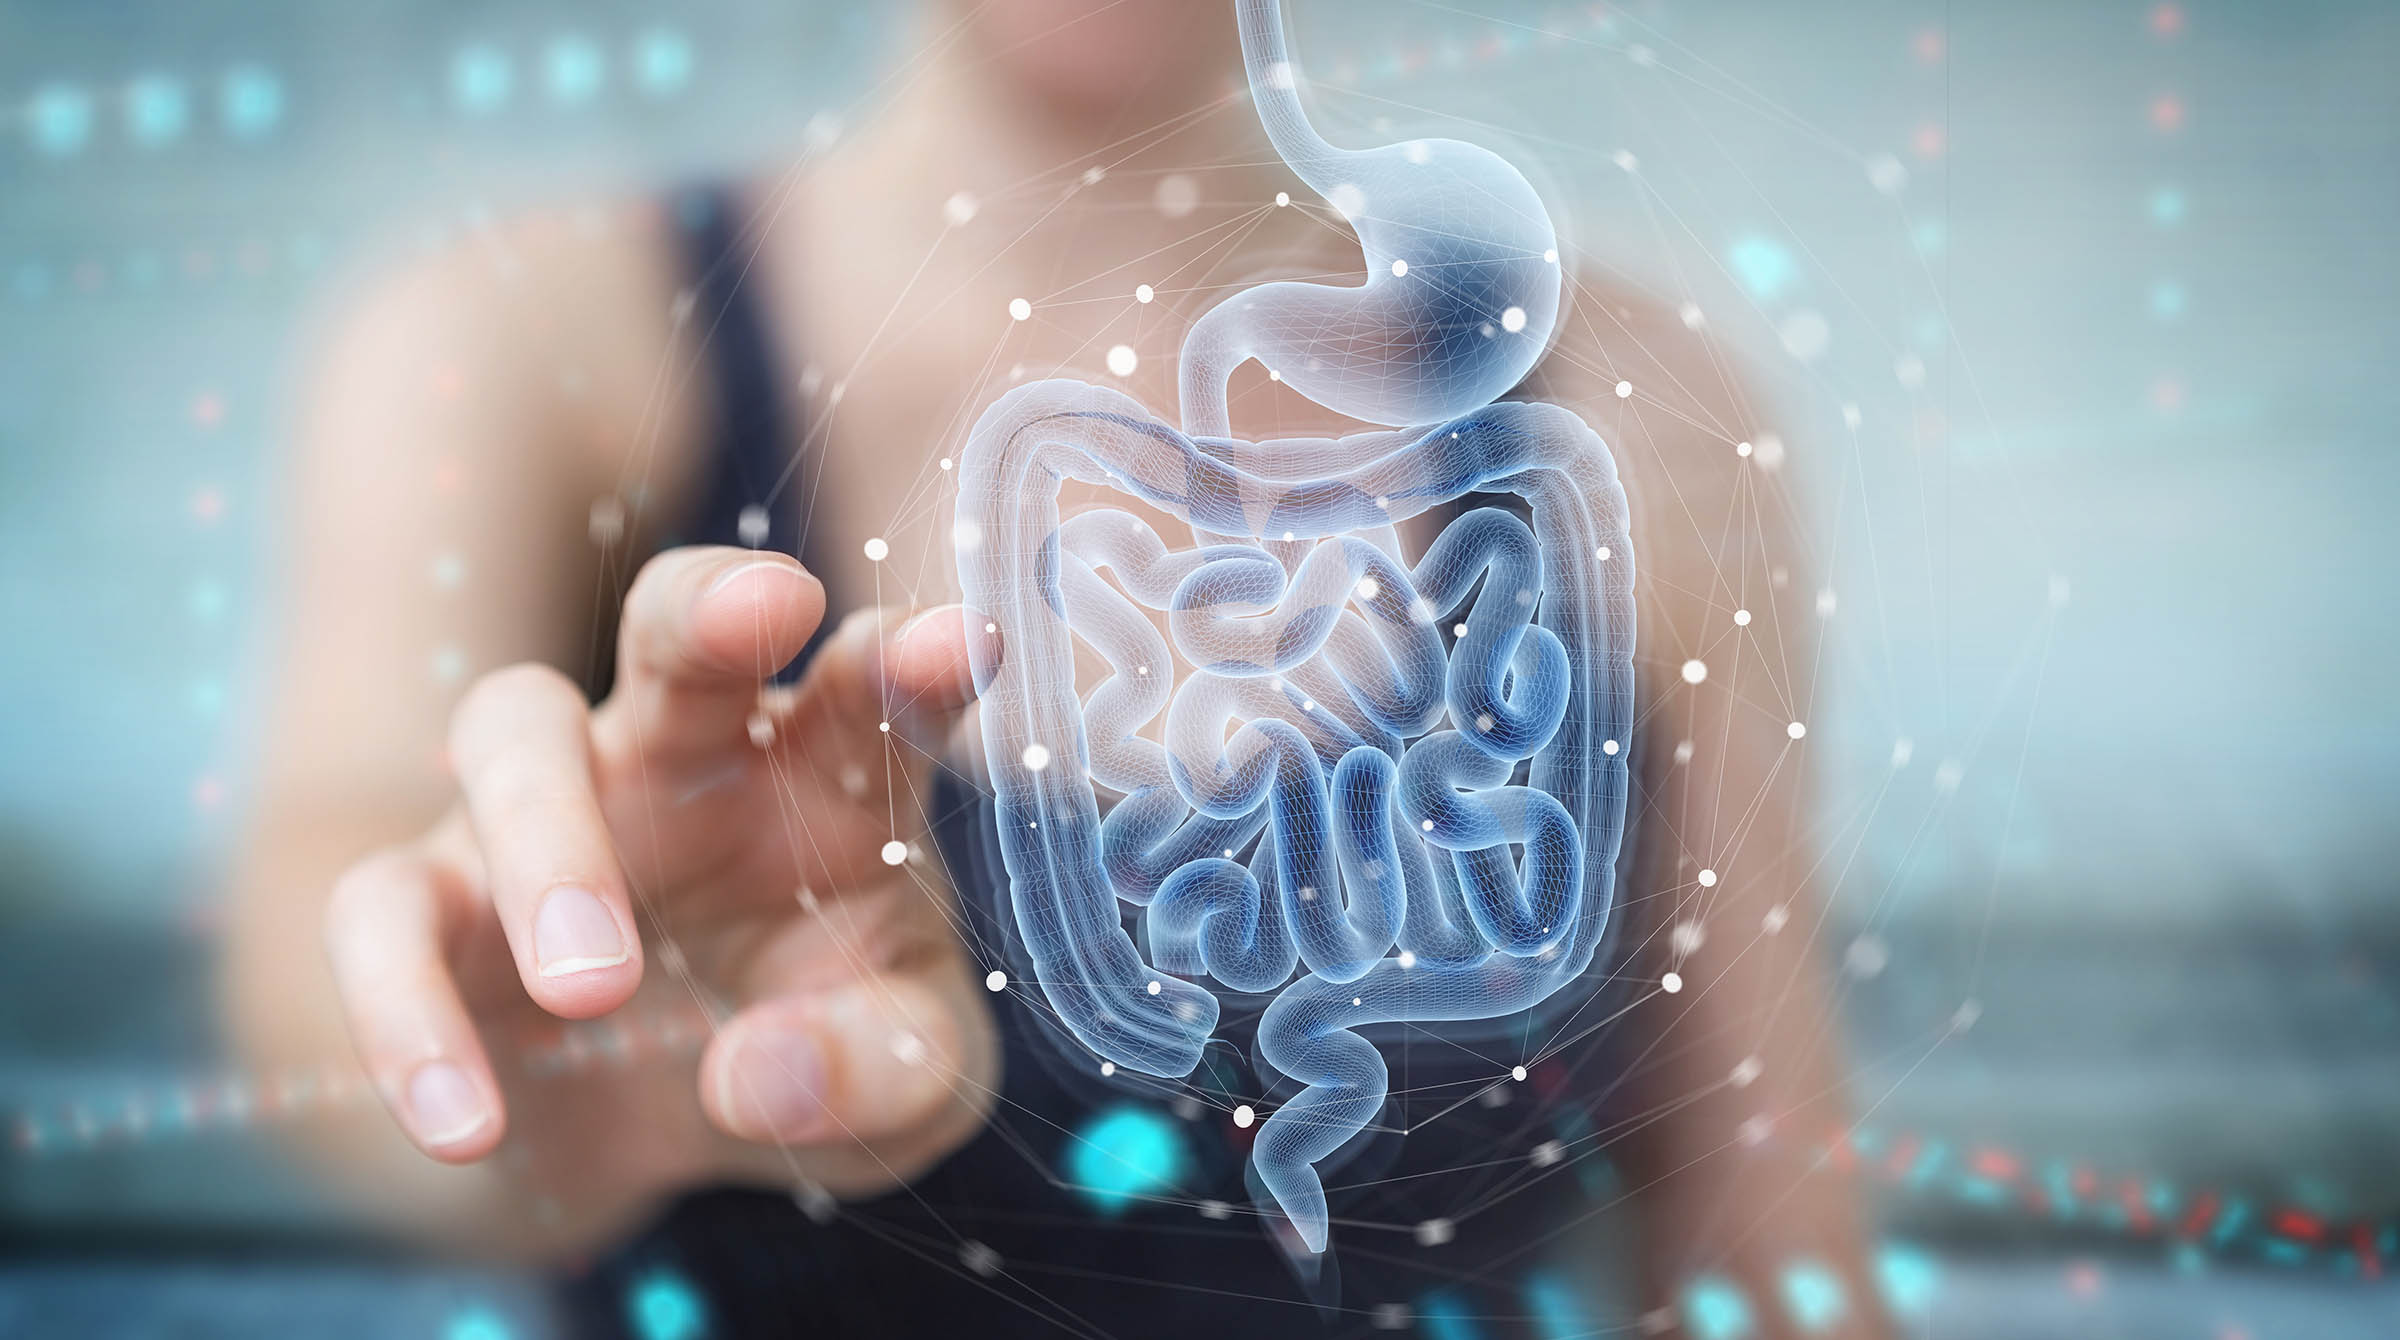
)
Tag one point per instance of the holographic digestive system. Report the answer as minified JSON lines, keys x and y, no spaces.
{"x":1388,"y":791}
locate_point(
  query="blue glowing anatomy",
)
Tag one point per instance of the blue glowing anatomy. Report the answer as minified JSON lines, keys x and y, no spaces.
{"x":1375,"y":789}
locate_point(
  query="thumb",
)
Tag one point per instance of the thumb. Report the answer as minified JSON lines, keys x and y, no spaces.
{"x":895,"y":1058}
{"x":888,"y":664}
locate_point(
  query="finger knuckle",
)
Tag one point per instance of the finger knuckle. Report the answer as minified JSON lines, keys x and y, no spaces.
{"x":505,"y":696}
{"x":371,"y":880}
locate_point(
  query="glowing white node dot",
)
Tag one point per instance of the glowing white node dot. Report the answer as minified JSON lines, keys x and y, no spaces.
{"x":1369,"y":588}
{"x":1408,"y":958}
{"x":1624,"y":390}
{"x":1741,"y":618}
{"x":1282,"y":198}
{"x":1512,"y":320}
{"x":1176,"y":195}
{"x":894,"y":852}
{"x":1154,"y":988}
{"x":1144,"y":293}
{"x":1458,"y":630}
{"x":1019,"y":309}
{"x":1609,"y":747}
{"x":1273,"y":375}
{"x":990,"y":627}
{"x":1427,"y":825}
{"x":1037,"y":757}
{"x":884,"y":726}
{"x":1517,"y":1073}
{"x":995,"y":980}
{"x":1601,"y":553}
{"x":1551,"y":256}
{"x":946,"y":463}
{"x":1399,"y":269}
{"x":1107,"y":1068}
{"x":1708,"y":879}
{"x":1796,"y":729}
{"x":1244,"y":1115}
{"x":959,"y":210}
{"x":1742,"y":449}
{"x":1122,"y":360}
{"x":876,"y":550}
{"x":1671,"y":983}
{"x":1694,"y":671}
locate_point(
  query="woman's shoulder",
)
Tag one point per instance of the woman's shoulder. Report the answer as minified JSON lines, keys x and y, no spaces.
{"x":559,"y":328}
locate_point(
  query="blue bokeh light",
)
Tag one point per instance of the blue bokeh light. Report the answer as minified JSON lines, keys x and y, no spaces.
{"x":61,"y":119}
{"x":662,"y":62}
{"x":1908,"y":1277}
{"x":157,"y":109}
{"x":481,"y":79}
{"x":478,"y":1323}
{"x":664,"y":1306}
{"x":250,"y":101}
{"x":1713,"y":1309}
{"x":2166,"y":207}
{"x":1764,"y":266}
{"x":1125,"y":1153}
{"x":574,"y":69}
{"x":1813,"y":1296}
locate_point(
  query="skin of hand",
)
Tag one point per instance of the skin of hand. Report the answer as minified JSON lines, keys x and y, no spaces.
{"x":852,"y":1047}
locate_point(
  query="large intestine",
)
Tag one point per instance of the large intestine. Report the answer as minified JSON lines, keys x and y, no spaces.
{"x":1385,"y":790}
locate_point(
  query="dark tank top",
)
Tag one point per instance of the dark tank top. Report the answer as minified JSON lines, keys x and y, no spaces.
{"x":1470,"y":1229}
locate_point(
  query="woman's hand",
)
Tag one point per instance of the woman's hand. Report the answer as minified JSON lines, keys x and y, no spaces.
{"x":742,"y":830}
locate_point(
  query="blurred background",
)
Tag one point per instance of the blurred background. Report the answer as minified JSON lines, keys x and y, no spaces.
{"x":2076,"y":319}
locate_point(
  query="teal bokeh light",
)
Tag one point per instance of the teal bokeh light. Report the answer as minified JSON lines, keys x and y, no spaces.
{"x":1813,"y":1296}
{"x":662,"y":62}
{"x":1126,"y":1153}
{"x":1764,"y":266}
{"x":250,"y":101}
{"x":478,"y":1323}
{"x":61,"y":120}
{"x":574,"y":69}
{"x":1908,"y":1278}
{"x":665,"y":1306}
{"x":156,"y":111}
{"x":1713,"y":1309}
{"x":481,"y":79}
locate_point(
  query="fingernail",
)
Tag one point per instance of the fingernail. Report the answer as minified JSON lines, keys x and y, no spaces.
{"x":774,"y":1085}
{"x":785,"y":571}
{"x":574,"y":932}
{"x":914,"y":621}
{"x":444,"y":1105}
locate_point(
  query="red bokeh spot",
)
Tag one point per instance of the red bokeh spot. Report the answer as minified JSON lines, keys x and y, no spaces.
{"x":2166,"y":112}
